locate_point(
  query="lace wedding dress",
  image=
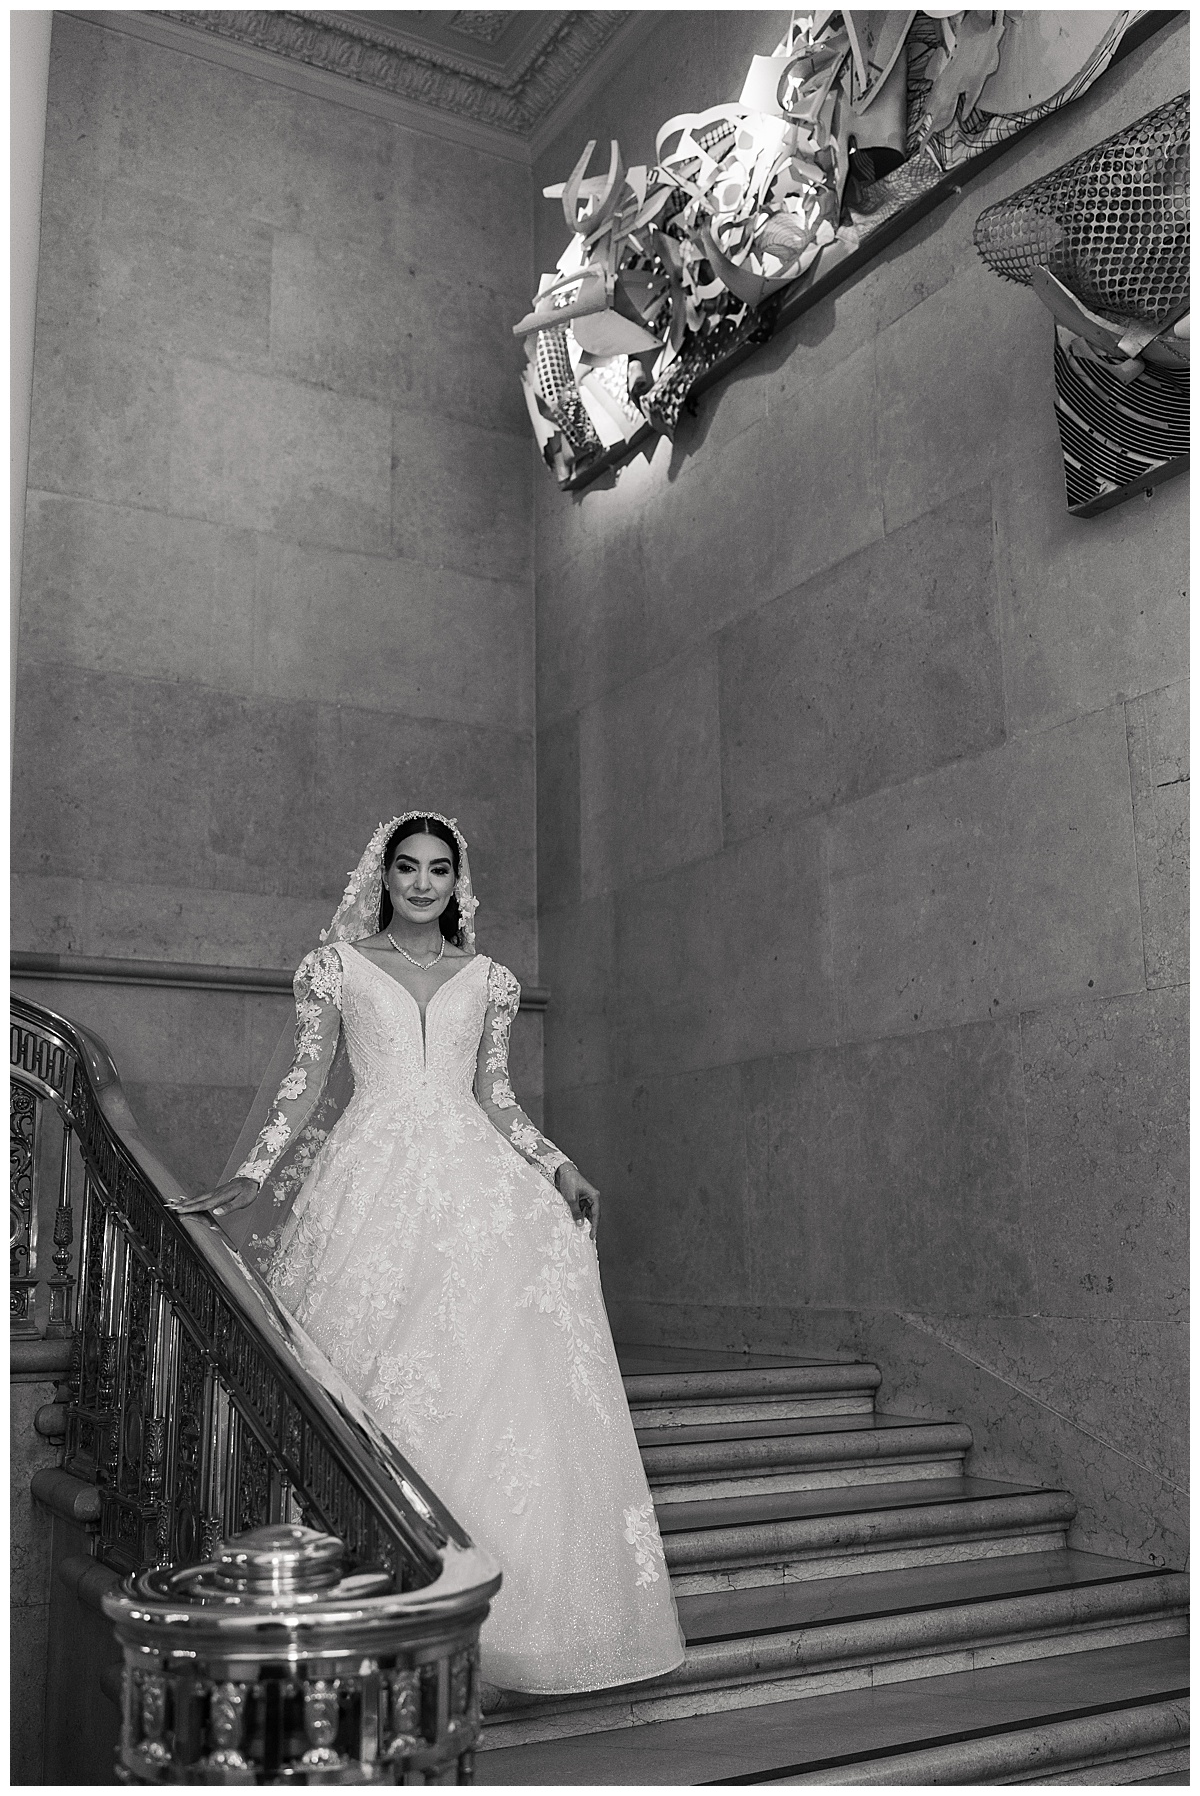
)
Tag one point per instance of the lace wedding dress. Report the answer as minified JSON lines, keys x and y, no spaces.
{"x":431,"y":1259}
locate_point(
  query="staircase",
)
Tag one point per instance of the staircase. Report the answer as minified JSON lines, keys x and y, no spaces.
{"x":858,"y":1609}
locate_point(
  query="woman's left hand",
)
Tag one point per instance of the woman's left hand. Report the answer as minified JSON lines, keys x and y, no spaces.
{"x":583,"y":1199}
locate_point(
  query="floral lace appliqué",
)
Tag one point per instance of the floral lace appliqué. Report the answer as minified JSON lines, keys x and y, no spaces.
{"x":529,"y":1141}
{"x":524,"y":1138}
{"x":321,"y":973}
{"x":503,"y":1000}
{"x":556,"y":1293}
{"x":318,"y":990}
{"x":514,"y":1469}
{"x":504,"y":993}
{"x":404,"y":1392}
{"x":641,"y":1532}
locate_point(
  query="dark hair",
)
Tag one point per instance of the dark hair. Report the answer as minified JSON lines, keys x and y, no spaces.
{"x":450,"y":922}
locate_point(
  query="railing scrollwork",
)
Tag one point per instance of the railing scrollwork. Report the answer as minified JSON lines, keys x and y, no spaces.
{"x":42,"y":1171}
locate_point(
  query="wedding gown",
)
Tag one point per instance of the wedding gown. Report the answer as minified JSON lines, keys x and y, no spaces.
{"x":433,"y":1262}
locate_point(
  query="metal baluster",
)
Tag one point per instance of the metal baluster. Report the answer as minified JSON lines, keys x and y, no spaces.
{"x":25,"y":1131}
{"x":120,"y":1530}
{"x":253,"y":1499}
{"x":189,"y":1437}
{"x":87,"y":1309}
{"x":82,"y":1433}
{"x":62,"y":1311}
{"x":109,"y":1381}
{"x":220,"y":1473}
{"x":136,"y":1352}
{"x":157,"y":1490}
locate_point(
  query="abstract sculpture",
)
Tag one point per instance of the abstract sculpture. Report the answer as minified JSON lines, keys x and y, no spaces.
{"x":851,"y":120}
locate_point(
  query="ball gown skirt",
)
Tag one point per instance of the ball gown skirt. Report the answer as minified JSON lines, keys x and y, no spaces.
{"x":445,"y":1278}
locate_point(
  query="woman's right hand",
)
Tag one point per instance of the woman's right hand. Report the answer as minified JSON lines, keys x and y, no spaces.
{"x":238,"y":1194}
{"x":583,"y":1199}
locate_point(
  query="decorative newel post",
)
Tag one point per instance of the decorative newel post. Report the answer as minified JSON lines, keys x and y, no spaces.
{"x":271,"y":1664}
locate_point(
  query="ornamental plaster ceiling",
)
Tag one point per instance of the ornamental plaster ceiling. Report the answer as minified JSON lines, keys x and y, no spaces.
{"x":511,"y":73}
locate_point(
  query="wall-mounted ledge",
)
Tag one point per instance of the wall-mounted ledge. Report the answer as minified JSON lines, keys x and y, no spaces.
{"x":180,"y":975}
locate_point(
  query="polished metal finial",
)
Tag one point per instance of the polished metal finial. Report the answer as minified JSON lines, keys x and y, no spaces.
{"x":279,"y":1560}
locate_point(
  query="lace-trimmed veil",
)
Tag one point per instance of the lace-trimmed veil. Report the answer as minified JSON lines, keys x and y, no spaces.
{"x":357,"y":916}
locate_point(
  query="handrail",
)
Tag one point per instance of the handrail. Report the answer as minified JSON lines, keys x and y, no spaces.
{"x":198,"y":1405}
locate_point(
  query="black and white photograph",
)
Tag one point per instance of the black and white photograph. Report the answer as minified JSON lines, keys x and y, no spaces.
{"x":599,"y":996}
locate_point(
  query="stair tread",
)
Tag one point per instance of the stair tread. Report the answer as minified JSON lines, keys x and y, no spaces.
{"x":637,"y":1360}
{"x":715,"y":1615}
{"x":810,"y":1732}
{"x":773,"y":1385}
{"x":797,"y":1505}
{"x":701,"y":1433}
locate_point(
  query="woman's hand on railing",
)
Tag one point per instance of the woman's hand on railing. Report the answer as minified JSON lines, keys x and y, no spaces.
{"x":238,"y":1194}
{"x":583,"y":1199}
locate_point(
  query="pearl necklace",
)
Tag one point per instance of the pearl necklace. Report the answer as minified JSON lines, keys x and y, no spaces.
{"x":424,"y":965}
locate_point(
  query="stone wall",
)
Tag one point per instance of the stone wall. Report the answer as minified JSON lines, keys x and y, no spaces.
{"x":29,"y":1555}
{"x":277,"y":575}
{"x":862,"y":809}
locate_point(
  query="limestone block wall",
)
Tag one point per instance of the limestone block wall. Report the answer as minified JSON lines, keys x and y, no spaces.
{"x":277,"y":574}
{"x":862,"y":780}
{"x":29,"y":1590}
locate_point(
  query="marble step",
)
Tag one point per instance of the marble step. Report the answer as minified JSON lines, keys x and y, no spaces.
{"x":635,"y":1360}
{"x":694,"y":1463}
{"x":1112,"y":1747}
{"x":1116,"y":1710}
{"x":781,"y":1536}
{"x":805,"y":1639}
{"x":763,"y":1392}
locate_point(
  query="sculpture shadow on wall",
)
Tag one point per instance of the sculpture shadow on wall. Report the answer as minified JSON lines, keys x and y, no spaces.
{"x":701,"y":415}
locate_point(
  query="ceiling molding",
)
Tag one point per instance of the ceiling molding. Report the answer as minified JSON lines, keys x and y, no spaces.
{"x":504,"y":62}
{"x":561,"y":60}
{"x":628,"y":37}
{"x":486,"y":26}
{"x":316,"y":83}
{"x":435,"y":66}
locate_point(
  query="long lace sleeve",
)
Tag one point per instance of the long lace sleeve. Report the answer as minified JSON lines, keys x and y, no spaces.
{"x":318,"y":989}
{"x":495,"y":1095}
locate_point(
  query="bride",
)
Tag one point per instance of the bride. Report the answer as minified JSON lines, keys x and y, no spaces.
{"x":441,"y":1253}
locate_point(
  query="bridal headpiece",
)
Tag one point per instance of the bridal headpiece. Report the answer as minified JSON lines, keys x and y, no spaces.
{"x":357,"y":916}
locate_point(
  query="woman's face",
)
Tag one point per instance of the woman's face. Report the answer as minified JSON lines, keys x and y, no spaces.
{"x":420,"y":880}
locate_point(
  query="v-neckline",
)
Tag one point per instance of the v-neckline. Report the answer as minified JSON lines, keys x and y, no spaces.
{"x":422,"y":1010}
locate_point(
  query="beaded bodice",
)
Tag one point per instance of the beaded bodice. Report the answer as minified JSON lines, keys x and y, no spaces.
{"x":398,"y":1053}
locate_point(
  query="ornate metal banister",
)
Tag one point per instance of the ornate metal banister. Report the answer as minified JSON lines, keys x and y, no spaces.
{"x":197,"y":1405}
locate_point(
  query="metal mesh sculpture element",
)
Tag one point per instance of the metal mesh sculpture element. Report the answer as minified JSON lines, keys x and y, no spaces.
{"x":1112,"y":225}
{"x":1104,"y":243}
